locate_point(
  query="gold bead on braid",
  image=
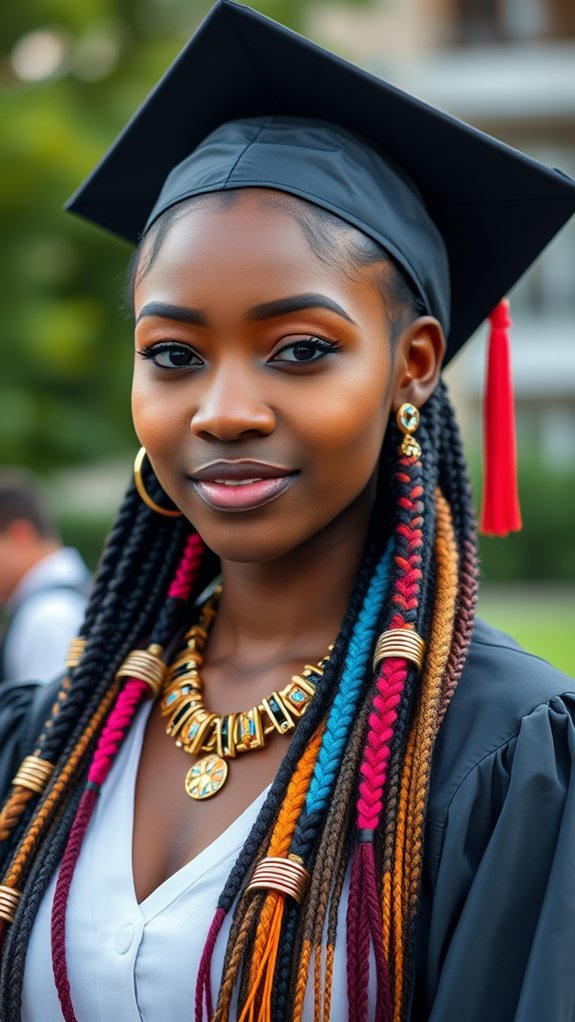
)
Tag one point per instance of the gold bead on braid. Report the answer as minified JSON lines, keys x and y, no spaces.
{"x":287,"y":876}
{"x":9,"y":901}
{"x":75,"y":653}
{"x":145,"y":665}
{"x":399,"y":642}
{"x":34,"y":774}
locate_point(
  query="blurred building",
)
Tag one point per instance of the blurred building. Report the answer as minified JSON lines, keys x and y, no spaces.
{"x":507,"y":67}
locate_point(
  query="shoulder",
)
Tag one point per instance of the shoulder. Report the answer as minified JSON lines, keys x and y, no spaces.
{"x":500,"y":830}
{"x":23,"y":708}
{"x":502,"y":686}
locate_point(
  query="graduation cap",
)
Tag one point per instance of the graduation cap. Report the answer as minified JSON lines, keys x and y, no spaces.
{"x":249,"y":103}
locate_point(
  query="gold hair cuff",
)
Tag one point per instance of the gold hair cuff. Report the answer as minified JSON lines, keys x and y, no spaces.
{"x":9,"y":901}
{"x":286,"y":876}
{"x":34,"y":773}
{"x":399,"y":642}
{"x":145,"y":665}
{"x":75,"y":653}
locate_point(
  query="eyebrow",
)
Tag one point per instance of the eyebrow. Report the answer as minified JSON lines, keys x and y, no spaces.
{"x":282,"y":306}
{"x":180,"y":313}
{"x":268,"y":310}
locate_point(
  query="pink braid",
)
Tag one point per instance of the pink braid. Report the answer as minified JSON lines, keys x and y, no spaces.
{"x":121,"y":716}
{"x":108,"y":745}
{"x":187,"y":569}
{"x":364,"y":907}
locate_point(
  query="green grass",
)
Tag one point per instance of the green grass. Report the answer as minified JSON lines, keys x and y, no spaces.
{"x":540,"y":618}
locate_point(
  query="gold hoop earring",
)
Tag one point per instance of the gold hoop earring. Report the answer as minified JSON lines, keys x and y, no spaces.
{"x":408,"y":419}
{"x":139,"y":482}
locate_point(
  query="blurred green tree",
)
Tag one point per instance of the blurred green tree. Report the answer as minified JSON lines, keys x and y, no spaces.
{"x":70,"y":76}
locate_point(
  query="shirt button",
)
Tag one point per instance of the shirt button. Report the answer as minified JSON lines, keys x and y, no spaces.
{"x":124,"y":938}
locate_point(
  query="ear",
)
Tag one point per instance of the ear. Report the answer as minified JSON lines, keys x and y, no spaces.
{"x":21,"y":532}
{"x":418,"y":358}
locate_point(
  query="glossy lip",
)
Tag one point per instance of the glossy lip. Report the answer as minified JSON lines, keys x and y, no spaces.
{"x":238,"y":469}
{"x":262,"y":483}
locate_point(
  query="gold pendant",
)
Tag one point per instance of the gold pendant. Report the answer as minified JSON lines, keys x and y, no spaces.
{"x":206,"y":777}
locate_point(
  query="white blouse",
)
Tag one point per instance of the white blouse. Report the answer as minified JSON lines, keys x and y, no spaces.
{"x":130,"y":961}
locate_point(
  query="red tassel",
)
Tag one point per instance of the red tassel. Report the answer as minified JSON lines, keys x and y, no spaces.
{"x":500,"y":513}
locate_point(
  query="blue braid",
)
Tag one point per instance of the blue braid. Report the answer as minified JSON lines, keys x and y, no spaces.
{"x":344,"y":706}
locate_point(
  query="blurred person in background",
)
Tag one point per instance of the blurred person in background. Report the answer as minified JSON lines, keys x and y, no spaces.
{"x":43,"y":584}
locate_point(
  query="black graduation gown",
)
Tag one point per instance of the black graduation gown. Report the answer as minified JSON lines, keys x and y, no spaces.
{"x":496,"y":929}
{"x":496,"y":933}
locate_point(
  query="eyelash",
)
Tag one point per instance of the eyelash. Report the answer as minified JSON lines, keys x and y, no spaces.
{"x":321,"y":346}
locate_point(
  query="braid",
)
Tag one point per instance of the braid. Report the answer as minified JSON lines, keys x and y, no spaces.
{"x":124,"y":607}
{"x":457,"y":490}
{"x":361,"y":738}
{"x":305,"y":729}
{"x":336,"y":734}
{"x":128,"y":606}
{"x":45,"y":862}
{"x":388,"y":751}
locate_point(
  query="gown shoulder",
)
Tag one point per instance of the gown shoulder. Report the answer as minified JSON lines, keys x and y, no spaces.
{"x":497,"y":920}
{"x":24,"y":706}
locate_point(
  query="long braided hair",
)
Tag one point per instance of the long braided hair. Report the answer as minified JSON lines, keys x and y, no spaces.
{"x":348,"y":802}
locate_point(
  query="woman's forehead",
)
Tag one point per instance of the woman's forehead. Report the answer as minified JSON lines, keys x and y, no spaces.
{"x":240,"y":229}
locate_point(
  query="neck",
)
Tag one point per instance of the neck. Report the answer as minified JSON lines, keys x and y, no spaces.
{"x":292,"y":607}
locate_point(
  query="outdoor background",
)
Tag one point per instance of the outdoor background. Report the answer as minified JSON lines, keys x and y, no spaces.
{"x":72,"y":73}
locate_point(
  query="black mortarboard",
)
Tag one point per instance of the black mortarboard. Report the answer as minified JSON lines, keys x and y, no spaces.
{"x":494,"y":208}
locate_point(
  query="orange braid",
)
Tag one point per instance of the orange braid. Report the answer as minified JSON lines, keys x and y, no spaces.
{"x":329,"y":956}
{"x":386,"y":912}
{"x":329,"y":863}
{"x":301,"y":984}
{"x":394,"y":925}
{"x":426,"y":723}
{"x":59,"y":785}
{"x":13,"y":810}
{"x":233,"y":963}
{"x":279,"y":845}
{"x":317,"y":998}
{"x":281,"y":837}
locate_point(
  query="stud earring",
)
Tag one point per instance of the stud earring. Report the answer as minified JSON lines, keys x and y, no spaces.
{"x":139,"y":482}
{"x":408,"y":419}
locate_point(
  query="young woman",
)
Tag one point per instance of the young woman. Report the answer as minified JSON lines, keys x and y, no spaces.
{"x":287,"y":775}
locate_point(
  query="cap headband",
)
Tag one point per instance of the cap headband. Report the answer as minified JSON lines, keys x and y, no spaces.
{"x":332,"y":168}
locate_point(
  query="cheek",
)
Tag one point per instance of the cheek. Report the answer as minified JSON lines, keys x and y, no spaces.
{"x":157,"y":420}
{"x":348,"y":433}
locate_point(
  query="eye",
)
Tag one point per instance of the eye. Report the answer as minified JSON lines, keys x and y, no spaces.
{"x":305,"y":350}
{"x":169,"y":355}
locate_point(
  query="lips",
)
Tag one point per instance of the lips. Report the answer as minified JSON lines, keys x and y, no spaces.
{"x":241,"y":485}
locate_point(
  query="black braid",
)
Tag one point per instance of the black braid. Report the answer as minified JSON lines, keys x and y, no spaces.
{"x":305,"y":729}
{"x":308,"y":827}
{"x":46,"y":862}
{"x":304,"y":843}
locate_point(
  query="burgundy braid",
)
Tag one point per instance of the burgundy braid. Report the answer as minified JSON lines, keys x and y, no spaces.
{"x":364,"y":909}
{"x":129,"y":699}
{"x":203,"y":985}
{"x":109,"y":744}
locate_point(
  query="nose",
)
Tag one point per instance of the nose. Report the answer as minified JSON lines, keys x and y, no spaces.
{"x":231,"y":408}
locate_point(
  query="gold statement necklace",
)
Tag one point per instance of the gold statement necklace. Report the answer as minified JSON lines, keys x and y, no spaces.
{"x":222,"y":736}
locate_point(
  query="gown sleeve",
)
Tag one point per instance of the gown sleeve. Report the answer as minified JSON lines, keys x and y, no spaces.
{"x":23,"y":708}
{"x":497,"y":936}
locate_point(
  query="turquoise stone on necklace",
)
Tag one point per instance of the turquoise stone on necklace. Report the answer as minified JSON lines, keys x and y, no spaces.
{"x":196,"y":730}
